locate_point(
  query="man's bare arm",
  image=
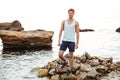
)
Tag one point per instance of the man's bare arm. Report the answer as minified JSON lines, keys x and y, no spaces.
{"x":60,"y":32}
{"x":77,"y":34}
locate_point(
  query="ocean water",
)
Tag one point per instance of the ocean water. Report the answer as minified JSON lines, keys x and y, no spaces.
{"x":102,"y":42}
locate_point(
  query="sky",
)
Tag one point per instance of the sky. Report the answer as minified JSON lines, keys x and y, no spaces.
{"x":52,"y":12}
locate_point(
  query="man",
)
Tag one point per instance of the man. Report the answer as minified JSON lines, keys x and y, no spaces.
{"x":70,"y":27}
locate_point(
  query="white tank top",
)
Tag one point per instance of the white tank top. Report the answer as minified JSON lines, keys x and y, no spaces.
{"x":69,"y":31}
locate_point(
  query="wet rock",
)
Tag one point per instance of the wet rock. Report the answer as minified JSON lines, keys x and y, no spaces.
{"x":42,"y":72}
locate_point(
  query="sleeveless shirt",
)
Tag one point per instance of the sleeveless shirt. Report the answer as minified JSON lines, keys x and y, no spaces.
{"x":69,"y":31}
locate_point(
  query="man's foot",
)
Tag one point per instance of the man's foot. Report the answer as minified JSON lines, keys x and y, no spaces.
{"x":64,"y":64}
{"x":68,"y":72}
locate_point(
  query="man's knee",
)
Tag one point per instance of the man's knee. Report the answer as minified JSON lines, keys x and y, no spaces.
{"x":71,"y":54}
{"x":61,"y":54}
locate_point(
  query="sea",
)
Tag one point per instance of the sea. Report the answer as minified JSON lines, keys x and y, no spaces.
{"x":104,"y":41}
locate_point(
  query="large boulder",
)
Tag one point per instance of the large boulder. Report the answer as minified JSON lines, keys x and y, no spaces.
{"x":13,"y":26}
{"x":118,"y":29}
{"x":34,"y":39}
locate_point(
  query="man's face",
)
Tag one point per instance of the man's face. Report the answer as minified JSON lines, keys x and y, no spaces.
{"x":70,"y":14}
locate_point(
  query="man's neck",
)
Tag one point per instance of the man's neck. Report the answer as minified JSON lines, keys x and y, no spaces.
{"x":70,"y":19}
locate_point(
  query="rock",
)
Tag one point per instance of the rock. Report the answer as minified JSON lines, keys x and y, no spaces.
{"x":93,"y":62}
{"x":13,"y":26}
{"x":101,"y":59}
{"x":52,"y":72}
{"x":69,"y":77}
{"x":92,"y":73}
{"x":51,"y":65}
{"x":76,"y":66}
{"x":77,"y":60}
{"x":114,"y":75}
{"x":81,"y":75}
{"x":43,"y":72}
{"x":85,"y":67}
{"x":87,"y":56}
{"x":83,"y":58}
{"x":86,"y":30}
{"x":55,"y":77}
{"x":118,"y":29}
{"x":26,"y":39}
{"x":102,"y":69}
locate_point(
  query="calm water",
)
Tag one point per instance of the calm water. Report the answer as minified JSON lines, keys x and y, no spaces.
{"x":102,"y":42}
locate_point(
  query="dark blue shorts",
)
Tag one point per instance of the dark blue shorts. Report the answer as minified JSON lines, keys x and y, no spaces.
{"x":69,"y":45}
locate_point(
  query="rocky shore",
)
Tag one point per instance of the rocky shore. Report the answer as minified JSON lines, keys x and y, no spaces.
{"x":85,"y":67}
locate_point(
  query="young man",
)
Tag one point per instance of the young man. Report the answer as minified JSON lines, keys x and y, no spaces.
{"x":70,"y":27}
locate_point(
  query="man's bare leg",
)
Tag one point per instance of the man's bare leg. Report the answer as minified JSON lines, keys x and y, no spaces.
{"x":61,"y":55}
{"x":71,"y":60}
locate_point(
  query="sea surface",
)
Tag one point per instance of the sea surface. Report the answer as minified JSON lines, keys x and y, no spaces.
{"x":101,"y":42}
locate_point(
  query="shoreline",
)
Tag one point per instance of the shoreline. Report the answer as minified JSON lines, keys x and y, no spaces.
{"x":85,"y":67}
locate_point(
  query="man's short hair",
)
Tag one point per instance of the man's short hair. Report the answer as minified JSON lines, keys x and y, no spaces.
{"x":71,"y":9}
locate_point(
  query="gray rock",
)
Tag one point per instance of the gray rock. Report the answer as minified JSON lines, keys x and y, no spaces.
{"x":52,"y":72}
{"x":94,"y":62}
{"x":92,"y":73}
{"x":85,"y":67}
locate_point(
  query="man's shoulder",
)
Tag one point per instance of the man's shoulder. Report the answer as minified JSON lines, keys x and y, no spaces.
{"x":63,"y":21}
{"x":76,"y":22}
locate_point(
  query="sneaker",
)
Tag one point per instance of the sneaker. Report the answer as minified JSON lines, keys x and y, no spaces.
{"x":68,"y":72}
{"x":64,"y":64}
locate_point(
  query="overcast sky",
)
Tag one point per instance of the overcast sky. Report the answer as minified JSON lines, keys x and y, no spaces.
{"x":57,"y":9}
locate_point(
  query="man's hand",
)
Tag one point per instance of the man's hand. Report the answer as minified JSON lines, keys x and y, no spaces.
{"x":59,"y":44}
{"x":76,"y":46}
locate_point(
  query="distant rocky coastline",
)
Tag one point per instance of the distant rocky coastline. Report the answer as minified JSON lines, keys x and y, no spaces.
{"x":85,"y":67}
{"x":118,"y":29}
{"x":86,"y":30}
